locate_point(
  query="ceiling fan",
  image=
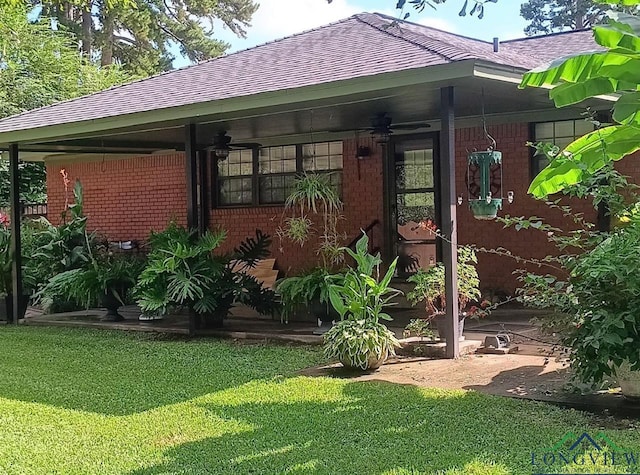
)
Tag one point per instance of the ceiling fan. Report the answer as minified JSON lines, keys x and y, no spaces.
{"x":222,"y":145}
{"x":382,"y":127}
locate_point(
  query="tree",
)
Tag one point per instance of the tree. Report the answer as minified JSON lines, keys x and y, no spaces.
{"x":558,"y":15}
{"x":139,"y":34}
{"x":472,"y":7}
{"x":41,"y":66}
{"x":575,"y":79}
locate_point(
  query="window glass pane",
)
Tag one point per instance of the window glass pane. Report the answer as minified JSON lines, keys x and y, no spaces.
{"x":277,"y":160}
{"x":239,"y":162}
{"x":564,"y":128}
{"x":335,"y":148}
{"x":583,"y":127}
{"x":415,"y":207}
{"x":234,"y":191}
{"x":275,"y":189}
{"x":544,"y":131}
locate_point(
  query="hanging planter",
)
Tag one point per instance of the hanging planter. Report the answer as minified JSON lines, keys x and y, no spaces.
{"x":484,"y":183}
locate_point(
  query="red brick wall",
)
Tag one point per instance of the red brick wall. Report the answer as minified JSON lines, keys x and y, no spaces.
{"x":363,"y":200}
{"x":124,"y":198}
{"x":496,"y":272}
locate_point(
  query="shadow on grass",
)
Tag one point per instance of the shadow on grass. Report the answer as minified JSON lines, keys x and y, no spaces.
{"x":116,"y":373}
{"x":369,"y":427}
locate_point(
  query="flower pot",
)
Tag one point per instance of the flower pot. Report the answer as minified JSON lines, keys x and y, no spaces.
{"x":441,"y":326}
{"x":629,"y":380}
{"x":374,"y":361}
{"x":112,"y":304}
{"x":6,"y":307}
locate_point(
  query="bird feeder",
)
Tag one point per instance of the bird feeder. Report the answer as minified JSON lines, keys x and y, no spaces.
{"x":484,"y":183}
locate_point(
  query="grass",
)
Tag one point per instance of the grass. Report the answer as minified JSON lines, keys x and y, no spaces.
{"x":87,"y":402}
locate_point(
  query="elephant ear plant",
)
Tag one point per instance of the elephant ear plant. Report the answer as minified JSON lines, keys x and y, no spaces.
{"x":359,"y":340}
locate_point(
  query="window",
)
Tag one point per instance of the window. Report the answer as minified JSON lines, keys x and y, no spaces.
{"x":266,"y":176}
{"x":560,"y":133}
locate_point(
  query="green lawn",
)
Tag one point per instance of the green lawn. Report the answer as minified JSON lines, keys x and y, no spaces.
{"x":93,"y":402}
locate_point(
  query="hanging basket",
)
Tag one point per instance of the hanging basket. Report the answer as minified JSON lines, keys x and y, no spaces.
{"x":484,"y":183}
{"x":483,"y":210}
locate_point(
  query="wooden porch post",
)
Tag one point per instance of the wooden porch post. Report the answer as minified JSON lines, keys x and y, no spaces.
{"x":203,"y":168}
{"x":191,"y":156}
{"x":448,"y":203}
{"x":15,"y":216}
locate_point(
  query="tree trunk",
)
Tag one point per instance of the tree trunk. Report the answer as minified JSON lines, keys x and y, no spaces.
{"x":107,"y":47}
{"x":87,"y":30}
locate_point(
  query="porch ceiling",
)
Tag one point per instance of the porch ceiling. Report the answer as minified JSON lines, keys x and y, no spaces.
{"x":325,"y":119}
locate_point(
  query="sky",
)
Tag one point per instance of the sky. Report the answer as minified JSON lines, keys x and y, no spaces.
{"x":279,"y":18}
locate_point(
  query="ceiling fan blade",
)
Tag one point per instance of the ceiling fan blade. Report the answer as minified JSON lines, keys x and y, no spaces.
{"x":410,"y":126}
{"x":245,"y":145}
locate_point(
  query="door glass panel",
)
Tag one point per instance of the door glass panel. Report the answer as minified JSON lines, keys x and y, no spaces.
{"x":415,"y":210}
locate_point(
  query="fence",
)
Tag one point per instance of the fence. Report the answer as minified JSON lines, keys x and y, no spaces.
{"x":30,"y":210}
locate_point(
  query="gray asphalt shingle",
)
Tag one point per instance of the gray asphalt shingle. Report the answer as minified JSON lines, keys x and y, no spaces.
{"x":358,"y":46}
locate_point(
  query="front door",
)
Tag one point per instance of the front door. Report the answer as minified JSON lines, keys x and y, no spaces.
{"x":414,"y":210}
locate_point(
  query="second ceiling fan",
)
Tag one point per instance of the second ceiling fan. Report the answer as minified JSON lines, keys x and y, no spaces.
{"x":382,"y":127}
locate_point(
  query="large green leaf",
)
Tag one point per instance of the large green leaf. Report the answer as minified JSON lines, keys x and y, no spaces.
{"x":627,"y":109}
{"x":591,"y":75}
{"x":584,"y":156}
{"x":619,"y":34}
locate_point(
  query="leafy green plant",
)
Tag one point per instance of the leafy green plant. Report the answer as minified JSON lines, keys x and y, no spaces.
{"x":419,"y":327}
{"x":580,"y":77}
{"x":87,"y":286}
{"x":314,"y":195}
{"x":359,"y":340}
{"x":299,"y":290}
{"x":183,"y":271}
{"x":430,"y":285}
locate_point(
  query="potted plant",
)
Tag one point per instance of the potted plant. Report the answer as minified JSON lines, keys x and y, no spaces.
{"x":183,"y":271}
{"x":314,"y":197}
{"x":430,"y":288}
{"x":104,"y":281}
{"x":311,"y":289}
{"x":360,"y":340}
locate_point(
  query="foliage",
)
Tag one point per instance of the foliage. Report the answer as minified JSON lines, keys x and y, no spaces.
{"x":305,"y":288}
{"x":473,"y":7}
{"x":314,"y":195}
{"x":580,"y":77}
{"x":361,"y":294}
{"x":591,"y":286}
{"x":88,"y":285}
{"x":209,"y":406}
{"x":183,"y":271}
{"x":359,"y":343}
{"x":559,"y":15}
{"x":360,"y":297}
{"x":419,"y":327}
{"x":40,"y":66}
{"x":430,"y":285}
{"x":140,"y":34}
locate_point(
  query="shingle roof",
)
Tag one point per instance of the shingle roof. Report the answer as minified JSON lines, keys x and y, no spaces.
{"x":358,"y":46}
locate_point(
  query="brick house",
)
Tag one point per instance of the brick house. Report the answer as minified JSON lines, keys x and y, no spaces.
{"x":146,"y":153}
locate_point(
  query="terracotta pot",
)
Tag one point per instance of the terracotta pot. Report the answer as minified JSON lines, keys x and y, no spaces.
{"x":629,"y":380}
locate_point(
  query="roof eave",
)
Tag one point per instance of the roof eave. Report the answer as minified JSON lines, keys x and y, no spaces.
{"x":192,"y":112}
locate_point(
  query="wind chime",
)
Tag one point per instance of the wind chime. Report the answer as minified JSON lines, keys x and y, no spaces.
{"x":484,"y":179}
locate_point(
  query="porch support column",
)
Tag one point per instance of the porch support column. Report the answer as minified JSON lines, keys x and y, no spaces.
{"x":191,"y":156}
{"x":203,"y":169}
{"x":448,"y":203}
{"x":15,"y":216}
